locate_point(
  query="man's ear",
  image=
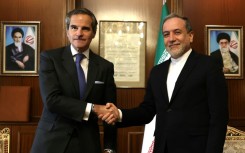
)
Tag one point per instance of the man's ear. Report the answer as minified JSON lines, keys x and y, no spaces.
{"x":191,"y":35}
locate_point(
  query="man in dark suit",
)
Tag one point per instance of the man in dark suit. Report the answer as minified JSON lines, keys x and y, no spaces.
{"x":223,"y":56}
{"x":188,"y":95}
{"x":19,"y":56}
{"x":68,"y":123}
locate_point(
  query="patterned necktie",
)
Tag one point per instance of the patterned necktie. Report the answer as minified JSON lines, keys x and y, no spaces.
{"x":80,"y":73}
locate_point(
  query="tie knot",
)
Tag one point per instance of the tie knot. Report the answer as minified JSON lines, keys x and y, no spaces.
{"x":79,"y":57}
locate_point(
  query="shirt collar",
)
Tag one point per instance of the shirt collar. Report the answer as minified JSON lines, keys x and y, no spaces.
{"x":182,"y":58}
{"x":74,"y":52}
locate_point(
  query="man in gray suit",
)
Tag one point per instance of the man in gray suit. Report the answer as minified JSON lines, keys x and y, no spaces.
{"x":68,"y":123}
{"x":188,"y":95}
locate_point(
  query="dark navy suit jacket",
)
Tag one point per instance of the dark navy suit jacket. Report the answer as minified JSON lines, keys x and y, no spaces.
{"x":63,"y":111}
{"x":195,"y":119}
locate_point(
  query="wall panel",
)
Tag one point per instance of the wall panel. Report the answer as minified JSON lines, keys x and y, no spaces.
{"x":51,"y":14}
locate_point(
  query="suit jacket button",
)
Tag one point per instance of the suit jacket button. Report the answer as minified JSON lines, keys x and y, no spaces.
{"x":169,"y":110}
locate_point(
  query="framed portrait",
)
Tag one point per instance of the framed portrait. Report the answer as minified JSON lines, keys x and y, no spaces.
{"x":20,"y":48}
{"x":224,"y":43}
{"x":124,"y":44}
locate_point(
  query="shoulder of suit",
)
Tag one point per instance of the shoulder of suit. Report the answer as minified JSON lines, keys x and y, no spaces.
{"x":10,"y":45}
{"x":98,"y":58}
{"x":55,"y":50}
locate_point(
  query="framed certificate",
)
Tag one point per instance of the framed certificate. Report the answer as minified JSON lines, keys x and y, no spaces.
{"x":124,"y":44}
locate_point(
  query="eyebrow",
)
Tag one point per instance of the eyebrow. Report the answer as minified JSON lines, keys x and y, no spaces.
{"x":83,"y":27}
{"x":172,"y":30}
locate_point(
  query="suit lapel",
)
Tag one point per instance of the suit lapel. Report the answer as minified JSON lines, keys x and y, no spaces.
{"x":164,"y":78}
{"x":189,"y":65}
{"x":69,"y":65}
{"x":92,"y":72}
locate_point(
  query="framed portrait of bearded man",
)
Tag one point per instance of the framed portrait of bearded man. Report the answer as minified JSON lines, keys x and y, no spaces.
{"x":20,"y":48}
{"x":224,"y":44}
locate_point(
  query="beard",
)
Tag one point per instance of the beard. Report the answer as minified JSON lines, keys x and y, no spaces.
{"x":224,"y":49}
{"x":177,"y":51}
{"x":17,"y":44}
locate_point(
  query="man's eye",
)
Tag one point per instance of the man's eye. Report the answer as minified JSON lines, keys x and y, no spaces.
{"x":177,"y":32}
{"x":73,"y":27}
{"x":165,"y":35}
{"x":86,"y":28}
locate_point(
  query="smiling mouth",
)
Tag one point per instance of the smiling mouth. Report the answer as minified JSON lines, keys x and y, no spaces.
{"x":173,"y":45}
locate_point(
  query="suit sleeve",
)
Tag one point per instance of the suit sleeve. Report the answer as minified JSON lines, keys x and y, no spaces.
{"x":56,"y":90}
{"x":218,"y":106}
{"x":144,"y":112}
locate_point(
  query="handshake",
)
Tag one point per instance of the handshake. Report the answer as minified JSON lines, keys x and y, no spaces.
{"x":108,"y":113}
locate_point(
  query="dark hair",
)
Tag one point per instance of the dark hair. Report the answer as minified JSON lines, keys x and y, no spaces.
{"x":81,"y":11}
{"x":223,"y":36}
{"x":174,"y":15}
{"x":17,"y":30}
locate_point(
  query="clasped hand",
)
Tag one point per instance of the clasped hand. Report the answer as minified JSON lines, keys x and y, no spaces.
{"x":108,"y":113}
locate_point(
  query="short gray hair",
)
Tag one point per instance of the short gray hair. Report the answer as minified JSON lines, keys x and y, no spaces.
{"x":174,"y":15}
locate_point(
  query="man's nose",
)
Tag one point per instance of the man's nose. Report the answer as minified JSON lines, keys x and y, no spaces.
{"x":223,"y":45}
{"x":79,"y":32}
{"x":171,"y":37}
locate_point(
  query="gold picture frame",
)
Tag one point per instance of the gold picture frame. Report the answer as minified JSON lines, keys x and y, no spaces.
{"x":20,"y":48}
{"x":124,"y":44}
{"x":217,"y":36}
{"x":4,"y":140}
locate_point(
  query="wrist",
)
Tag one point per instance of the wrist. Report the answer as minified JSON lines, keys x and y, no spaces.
{"x":95,"y":108}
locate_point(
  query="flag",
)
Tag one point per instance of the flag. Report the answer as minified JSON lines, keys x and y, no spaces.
{"x":30,"y":37}
{"x":161,"y":53}
{"x":234,"y":43}
{"x":160,"y":56}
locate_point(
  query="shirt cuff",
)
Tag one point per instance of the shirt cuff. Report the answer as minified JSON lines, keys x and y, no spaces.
{"x":120,"y":116}
{"x":87,"y":111}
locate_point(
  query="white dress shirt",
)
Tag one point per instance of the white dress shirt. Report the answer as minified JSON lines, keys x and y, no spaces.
{"x":84,"y":64}
{"x":175,"y":68}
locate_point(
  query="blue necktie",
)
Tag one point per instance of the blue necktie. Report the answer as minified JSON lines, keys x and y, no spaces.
{"x":80,"y":73}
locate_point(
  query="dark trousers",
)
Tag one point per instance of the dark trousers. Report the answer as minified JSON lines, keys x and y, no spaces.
{"x":74,"y":145}
{"x":166,"y":149}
